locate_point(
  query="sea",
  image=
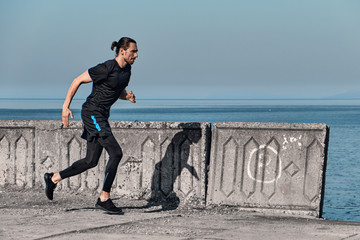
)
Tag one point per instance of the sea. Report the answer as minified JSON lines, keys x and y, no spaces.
{"x":342,"y":187}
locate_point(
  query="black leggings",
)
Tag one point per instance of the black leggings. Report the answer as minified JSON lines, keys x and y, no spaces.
{"x":93,"y":153}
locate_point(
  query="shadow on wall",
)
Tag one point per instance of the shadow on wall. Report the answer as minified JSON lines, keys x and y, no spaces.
{"x":174,"y":161}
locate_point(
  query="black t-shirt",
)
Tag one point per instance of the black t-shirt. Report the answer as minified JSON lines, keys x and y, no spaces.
{"x":109,"y":80}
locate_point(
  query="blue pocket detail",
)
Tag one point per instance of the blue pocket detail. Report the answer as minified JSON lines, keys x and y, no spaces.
{"x":95,"y":123}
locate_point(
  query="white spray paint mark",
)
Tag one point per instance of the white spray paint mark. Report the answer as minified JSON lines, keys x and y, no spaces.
{"x":261,"y":165}
{"x":285,"y":142}
{"x":291,"y":140}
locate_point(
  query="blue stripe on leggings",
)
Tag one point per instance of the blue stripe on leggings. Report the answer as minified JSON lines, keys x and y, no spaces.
{"x":96,"y":124}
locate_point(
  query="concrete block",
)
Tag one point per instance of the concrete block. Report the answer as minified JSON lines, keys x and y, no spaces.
{"x":269,"y":166}
{"x":163,"y":160}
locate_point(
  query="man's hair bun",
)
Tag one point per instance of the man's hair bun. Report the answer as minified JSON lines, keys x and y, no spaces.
{"x":113,"y":45}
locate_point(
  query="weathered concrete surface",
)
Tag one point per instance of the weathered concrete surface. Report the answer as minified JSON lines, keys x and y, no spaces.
{"x":269,"y":166}
{"x":161,"y":159}
{"x":29,"y":215}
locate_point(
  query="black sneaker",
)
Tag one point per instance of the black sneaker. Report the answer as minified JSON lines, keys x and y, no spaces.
{"x":49,"y":185}
{"x":108,"y":206}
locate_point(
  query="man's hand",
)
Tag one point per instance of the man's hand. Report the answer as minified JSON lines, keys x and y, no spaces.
{"x":65,"y":116}
{"x":131,"y":97}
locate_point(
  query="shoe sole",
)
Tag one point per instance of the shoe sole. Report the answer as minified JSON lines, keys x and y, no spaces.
{"x":108,"y":211}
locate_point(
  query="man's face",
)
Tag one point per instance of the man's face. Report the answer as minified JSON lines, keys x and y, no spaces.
{"x":130,"y":54}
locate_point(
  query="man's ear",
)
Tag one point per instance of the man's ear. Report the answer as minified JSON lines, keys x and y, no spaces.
{"x":122,"y":51}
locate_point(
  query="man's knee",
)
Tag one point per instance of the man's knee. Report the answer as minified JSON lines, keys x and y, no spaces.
{"x":117,"y":156}
{"x":113,"y":148}
{"x":92,"y":164}
{"x":91,"y":161}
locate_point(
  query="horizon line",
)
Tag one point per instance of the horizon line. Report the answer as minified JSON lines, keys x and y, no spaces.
{"x":215,"y":99}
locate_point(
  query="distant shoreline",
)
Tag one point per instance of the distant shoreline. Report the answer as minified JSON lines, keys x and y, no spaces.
{"x":56,"y":103}
{"x":204,"y":99}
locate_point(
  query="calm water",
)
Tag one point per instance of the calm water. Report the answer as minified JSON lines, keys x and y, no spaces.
{"x":342,"y":201}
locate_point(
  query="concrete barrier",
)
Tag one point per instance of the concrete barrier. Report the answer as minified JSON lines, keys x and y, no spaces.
{"x":161,"y":159}
{"x":269,"y":166}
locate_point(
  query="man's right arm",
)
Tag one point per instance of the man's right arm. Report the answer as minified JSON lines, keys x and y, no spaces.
{"x":83,"y":78}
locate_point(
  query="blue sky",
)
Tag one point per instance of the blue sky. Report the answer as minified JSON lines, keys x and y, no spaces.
{"x":187,"y":49}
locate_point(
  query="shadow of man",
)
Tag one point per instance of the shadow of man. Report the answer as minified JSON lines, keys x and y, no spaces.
{"x":173,"y":162}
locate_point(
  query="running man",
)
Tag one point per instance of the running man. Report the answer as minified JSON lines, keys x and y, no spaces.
{"x":110,"y":80}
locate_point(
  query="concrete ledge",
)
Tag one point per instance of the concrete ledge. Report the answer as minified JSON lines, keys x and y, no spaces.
{"x":161,"y":159}
{"x":264,"y":166}
{"x":269,"y":166}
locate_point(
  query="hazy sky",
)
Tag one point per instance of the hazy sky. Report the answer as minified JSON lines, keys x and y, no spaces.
{"x":187,"y":49}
